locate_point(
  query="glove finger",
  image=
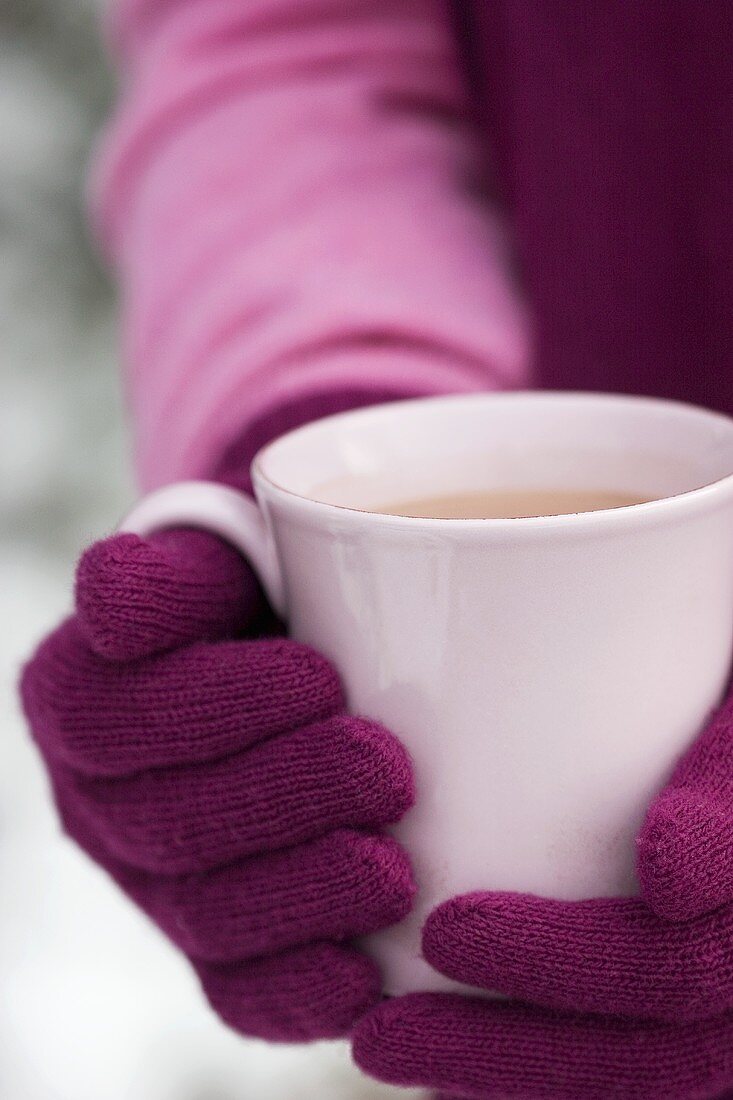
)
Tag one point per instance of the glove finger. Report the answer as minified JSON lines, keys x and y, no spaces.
{"x":483,"y":1049}
{"x":343,"y":772}
{"x":685,"y":848}
{"x":187,"y":706}
{"x":313,"y":992}
{"x":341,"y":886}
{"x":610,"y":956}
{"x":135,"y":596}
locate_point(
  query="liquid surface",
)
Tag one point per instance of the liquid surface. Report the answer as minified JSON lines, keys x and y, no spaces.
{"x":510,"y":504}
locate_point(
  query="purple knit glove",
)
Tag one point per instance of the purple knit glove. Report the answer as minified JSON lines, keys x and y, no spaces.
{"x":220,"y":783}
{"x":614,"y":997}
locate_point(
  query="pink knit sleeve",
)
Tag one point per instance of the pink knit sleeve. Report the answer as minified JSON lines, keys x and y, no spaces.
{"x":290,"y":193}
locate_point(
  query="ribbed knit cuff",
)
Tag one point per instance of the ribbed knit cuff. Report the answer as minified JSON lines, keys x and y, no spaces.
{"x":234,"y":466}
{"x":186,"y":436}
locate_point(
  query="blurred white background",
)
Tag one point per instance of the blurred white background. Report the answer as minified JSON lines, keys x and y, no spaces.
{"x":94,"y":1004}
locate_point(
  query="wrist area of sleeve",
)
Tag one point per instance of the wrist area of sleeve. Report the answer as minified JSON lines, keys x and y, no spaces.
{"x":216,"y":435}
{"x":233,"y":468}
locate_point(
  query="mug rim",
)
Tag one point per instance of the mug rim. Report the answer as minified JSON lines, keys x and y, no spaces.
{"x":659,"y":508}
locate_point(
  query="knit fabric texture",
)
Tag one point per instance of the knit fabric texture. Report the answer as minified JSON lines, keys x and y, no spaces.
{"x":609,"y":997}
{"x":207,"y":763}
{"x":222,"y":786}
{"x":294,"y":198}
{"x":478,"y":1050}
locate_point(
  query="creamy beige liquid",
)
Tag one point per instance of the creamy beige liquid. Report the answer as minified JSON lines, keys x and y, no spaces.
{"x":510,"y":504}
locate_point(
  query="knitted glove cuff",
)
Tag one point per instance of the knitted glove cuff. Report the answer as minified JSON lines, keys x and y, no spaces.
{"x":234,"y":466}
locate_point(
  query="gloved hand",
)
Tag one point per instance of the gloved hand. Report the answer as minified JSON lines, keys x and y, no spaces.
{"x":220,"y":783}
{"x":627,"y":997}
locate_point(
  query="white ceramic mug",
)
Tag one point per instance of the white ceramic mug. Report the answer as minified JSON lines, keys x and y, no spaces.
{"x":544,"y":673}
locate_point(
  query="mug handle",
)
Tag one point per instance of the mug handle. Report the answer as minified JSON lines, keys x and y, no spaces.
{"x":222,"y":511}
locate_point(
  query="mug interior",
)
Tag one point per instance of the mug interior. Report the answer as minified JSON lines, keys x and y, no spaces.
{"x":371,"y":458}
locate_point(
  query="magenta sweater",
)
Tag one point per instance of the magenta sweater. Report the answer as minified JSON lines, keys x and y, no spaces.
{"x":308,"y":195}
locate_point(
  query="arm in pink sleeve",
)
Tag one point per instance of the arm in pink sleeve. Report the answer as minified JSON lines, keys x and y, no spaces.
{"x":289,"y":192}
